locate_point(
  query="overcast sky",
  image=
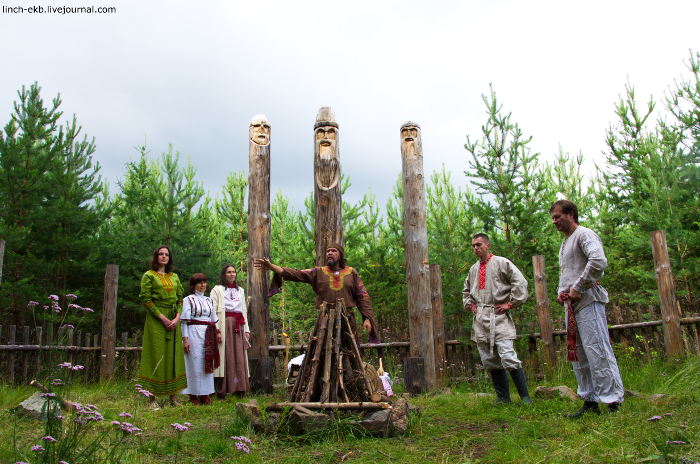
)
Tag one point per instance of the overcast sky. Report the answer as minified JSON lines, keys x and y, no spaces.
{"x":194,"y":73}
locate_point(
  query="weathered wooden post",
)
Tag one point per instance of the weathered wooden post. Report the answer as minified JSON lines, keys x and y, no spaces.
{"x":667,"y":294}
{"x":543,"y":313}
{"x":327,"y":189}
{"x":259,"y":246}
{"x":419,"y":368}
{"x":2,"y":256}
{"x":438,"y":324}
{"x":109,"y":319}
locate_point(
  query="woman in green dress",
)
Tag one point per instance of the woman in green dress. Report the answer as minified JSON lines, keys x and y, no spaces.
{"x":162,"y":369}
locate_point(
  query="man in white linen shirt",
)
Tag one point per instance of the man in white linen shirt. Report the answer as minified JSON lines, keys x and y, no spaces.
{"x":492,"y":288}
{"x":581,"y":265}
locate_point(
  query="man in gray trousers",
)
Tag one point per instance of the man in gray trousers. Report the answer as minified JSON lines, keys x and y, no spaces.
{"x":492,"y":288}
{"x":581,"y":265}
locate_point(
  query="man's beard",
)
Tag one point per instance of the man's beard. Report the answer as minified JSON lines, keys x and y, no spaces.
{"x":330,"y":262}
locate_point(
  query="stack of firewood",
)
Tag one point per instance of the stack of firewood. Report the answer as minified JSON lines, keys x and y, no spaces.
{"x":332,"y":370}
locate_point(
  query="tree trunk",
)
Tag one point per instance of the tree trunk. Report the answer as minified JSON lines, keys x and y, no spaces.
{"x":420,"y":311}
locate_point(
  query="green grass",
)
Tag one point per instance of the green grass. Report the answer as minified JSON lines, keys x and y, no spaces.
{"x":453,"y":426}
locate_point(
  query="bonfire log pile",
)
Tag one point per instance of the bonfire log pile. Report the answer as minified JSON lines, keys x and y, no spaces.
{"x":333,"y":370}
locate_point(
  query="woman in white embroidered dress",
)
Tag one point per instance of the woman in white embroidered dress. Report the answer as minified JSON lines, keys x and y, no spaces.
{"x":230,"y":304}
{"x":200,"y":339}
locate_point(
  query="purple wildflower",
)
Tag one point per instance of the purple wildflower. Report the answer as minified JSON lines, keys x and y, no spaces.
{"x":179,"y":427}
{"x":49,"y":438}
{"x":57,"y":382}
{"x":125,"y":414}
{"x":88,"y":310}
{"x":70,"y":296}
{"x":676,"y":442}
{"x":65,"y":364}
{"x":137,"y":386}
{"x":654,"y":418}
{"x":187,"y":424}
{"x":145,"y":393}
{"x":53,"y":297}
{"x":116,"y":423}
{"x":129,"y":428}
{"x":74,"y":306}
{"x":77,"y":367}
{"x":242,"y":438}
{"x":21,"y":462}
{"x":48,"y":395}
{"x":38,"y":448}
{"x":240,"y":446}
{"x":31,"y":304}
{"x":45,"y":307}
{"x":62,"y":462}
{"x":668,"y":414}
{"x":68,"y":326}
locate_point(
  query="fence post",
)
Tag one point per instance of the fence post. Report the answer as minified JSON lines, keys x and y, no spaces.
{"x":667,"y":294}
{"x":438,"y":323}
{"x":109,"y":313}
{"x":543,"y":313}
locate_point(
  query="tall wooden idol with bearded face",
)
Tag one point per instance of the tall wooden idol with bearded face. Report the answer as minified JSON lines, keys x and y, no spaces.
{"x":259,"y":245}
{"x":327,"y":194}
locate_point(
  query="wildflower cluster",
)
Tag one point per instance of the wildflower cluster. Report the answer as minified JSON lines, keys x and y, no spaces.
{"x":143,"y":391}
{"x":242,"y":444}
{"x":73,"y":367}
{"x":181,"y":427}
{"x":87,"y":414}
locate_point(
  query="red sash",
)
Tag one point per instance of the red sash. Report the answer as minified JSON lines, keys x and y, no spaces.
{"x":239,"y":322}
{"x":211,"y":347}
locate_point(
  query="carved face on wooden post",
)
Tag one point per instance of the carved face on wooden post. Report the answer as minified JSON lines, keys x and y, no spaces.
{"x":327,"y":164}
{"x":259,"y":130}
{"x":411,"y":139}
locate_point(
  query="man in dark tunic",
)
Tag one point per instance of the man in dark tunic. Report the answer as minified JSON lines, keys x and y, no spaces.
{"x":330,"y":283}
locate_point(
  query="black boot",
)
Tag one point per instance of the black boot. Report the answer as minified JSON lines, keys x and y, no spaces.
{"x":518,"y":376}
{"x":500,"y":384}
{"x":614,"y":407}
{"x":589,"y":407}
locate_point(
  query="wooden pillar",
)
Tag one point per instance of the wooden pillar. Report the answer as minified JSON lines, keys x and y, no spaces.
{"x":109,"y":320}
{"x":667,"y":294}
{"x":2,"y":256}
{"x":328,"y":222}
{"x":420,"y":311}
{"x":543,"y":313}
{"x":259,"y":246}
{"x":438,"y":324}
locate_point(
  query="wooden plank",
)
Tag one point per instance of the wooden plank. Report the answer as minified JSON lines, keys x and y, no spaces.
{"x":667,"y":294}
{"x":420,"y":311}
{"x":543,"y":312}
{"x":11,"y":358}
{"x":438,"y":306}
{"x":38,"y":335}
{"x":2,"y":256}
{"x":259,"y":247}
{"x":26,"y":337}
{"x":109,"y":323}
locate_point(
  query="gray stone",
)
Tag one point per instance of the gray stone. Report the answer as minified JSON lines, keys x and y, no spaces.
{"x":33,"y":407}
{"x":249,"y":410}
{"x":561,"y":391}
{"x":302,"y":420}
{"x":398,"y":421}
{"x":377,"y":422}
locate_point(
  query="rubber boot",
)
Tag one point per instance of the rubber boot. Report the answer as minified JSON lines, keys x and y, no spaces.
{"x":500,"y":384}
{"x":518,"y":376}
{"x":589,"y":407}
{"x":194,"y":399}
